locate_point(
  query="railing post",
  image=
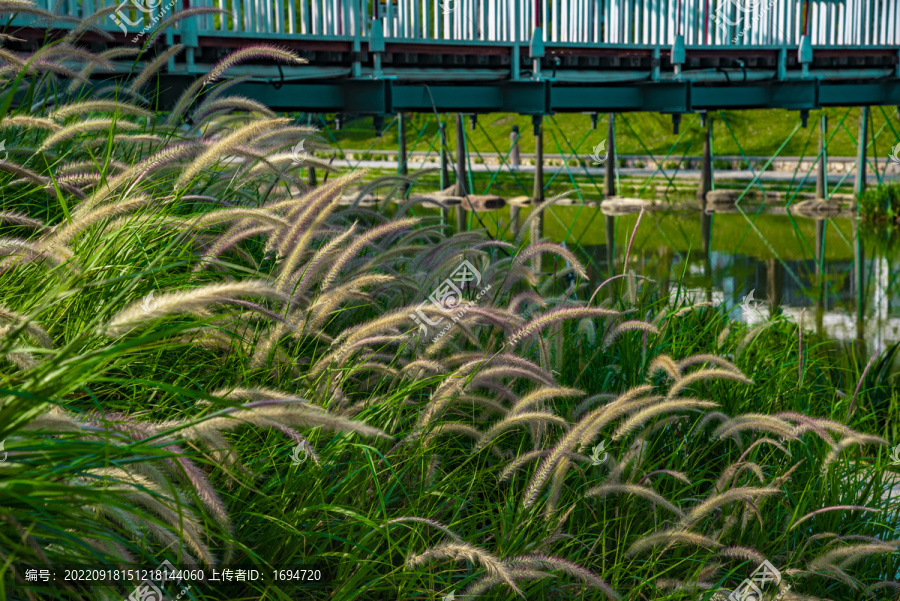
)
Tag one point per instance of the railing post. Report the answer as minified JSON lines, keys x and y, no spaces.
{"x":356,"y":66}
{"x":805,"y":54}
{"x":654,"y":65}
{"x":677,"y":55}
{"x":514,"y":66}
{"x":189,"y":37}
{"x":537,"y":40}
{"x":376,"y":43}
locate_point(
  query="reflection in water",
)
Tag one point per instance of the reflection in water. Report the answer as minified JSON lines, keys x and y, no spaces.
{"x":841,"y":283}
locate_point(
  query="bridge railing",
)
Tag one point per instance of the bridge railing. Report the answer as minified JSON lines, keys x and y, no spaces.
{"x":858,"y":23}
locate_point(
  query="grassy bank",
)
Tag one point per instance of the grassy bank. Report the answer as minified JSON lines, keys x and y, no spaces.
{"x":207,"y":362}
{"x":758,"y":133}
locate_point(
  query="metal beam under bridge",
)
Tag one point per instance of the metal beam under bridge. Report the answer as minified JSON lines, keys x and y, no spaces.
{"x":381,"y":97}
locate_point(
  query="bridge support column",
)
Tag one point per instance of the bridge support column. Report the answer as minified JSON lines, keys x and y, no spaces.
{"x":822,"y":168}
{"x":609,"y":182}
{"x":820,"y":274}
{"x":538,"y":194}
{"x":514,"y":162}
{"x":706,"y":164}
{"x":445,"y":174}
{"x":514,"y":147}
{"x":611,"y":249}
{"x":774,"y":284}
{"x":460,"y":189}
{"x":861,"y":153}
{"x":859,"y":281}
{"x":402,"y":165}
{"x":537,"y":228}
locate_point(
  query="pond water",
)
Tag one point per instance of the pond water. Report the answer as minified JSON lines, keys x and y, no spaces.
{"x":847,"y":292}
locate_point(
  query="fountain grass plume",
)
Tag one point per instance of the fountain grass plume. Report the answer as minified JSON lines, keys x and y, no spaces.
{"x":259,"y":51}
{"x":217,"y":151}
{"x":181,"y":302}
{"x":755,"y":422}
{"x":30,"y":122}
{"x":812,"y":514}
{"x":81,"y":127}
{"x":232,"y":103}
{"x":531,"y":418}
{"x":627,"y":326}
{"x":543,"y":394}
{"x":456,"y":551}
{"x":552,"y":248}
{"x":670,"y":537}
{"x":361,"y":242}
{"x":557,"y":563}
{"x":98,"y":106}
{"x":312,"y":210}
{"x":641,"y":417}
{"x":706,"y":374}
{"x":17,"y":218}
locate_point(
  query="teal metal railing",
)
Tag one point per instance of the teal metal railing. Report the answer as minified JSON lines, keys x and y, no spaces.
{"x":717,"y":23}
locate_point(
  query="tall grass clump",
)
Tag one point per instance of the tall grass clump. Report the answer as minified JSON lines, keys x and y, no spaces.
{"x":182,"y":316}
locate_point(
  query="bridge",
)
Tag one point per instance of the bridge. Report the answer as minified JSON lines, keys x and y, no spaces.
{"x":535,"y":57}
